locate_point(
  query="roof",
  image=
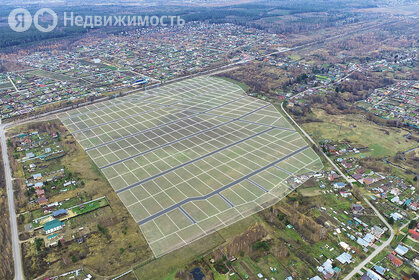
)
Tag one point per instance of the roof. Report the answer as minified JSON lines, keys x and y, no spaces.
{"x":396,"y":216}
{"x":414,"y":233}
{"x":401,"y":250}
{"x":344,"y":245}
{"x":397,"y":262}
{"x":372,"y":275}
{"x":52,"y":236}
{"x":344,"y":258}
{"x":59,"y":212}
{"x":369,"y":237}
{"x":381,"y":270}
{"x":362,"y":242}
{"x":394,"y":260}
{"x":377,"y":231}
{"x":52,"y":224}
{"x":368,"y":180}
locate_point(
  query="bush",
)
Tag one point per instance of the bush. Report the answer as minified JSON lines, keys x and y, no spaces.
{"x":38,"y":243}
{"x":390,"y":220}
{"x":220,"y":267}
{"x":261,"y":244}
{"x":102,"y":229}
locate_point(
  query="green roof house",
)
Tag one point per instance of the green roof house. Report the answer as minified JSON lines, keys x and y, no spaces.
{"x":52,"y":226}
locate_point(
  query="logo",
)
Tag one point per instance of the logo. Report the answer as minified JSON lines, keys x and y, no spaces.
{"x":20,"y":20}
{"x":42,"y":13}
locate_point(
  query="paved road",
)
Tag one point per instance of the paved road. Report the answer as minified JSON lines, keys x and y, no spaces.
{"x":13,"y":224}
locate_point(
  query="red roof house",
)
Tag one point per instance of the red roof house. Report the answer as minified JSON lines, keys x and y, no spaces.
{"x":414,"y":234}
{"x":394,"y":260}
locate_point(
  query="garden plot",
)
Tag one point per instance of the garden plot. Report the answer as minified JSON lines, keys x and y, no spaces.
{"x":192,"y":157}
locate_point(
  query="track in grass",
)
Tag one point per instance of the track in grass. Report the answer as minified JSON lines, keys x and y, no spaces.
{"x":192,"y":157}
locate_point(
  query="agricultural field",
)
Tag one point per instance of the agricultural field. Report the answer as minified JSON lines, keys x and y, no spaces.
{"x":193,"y":157}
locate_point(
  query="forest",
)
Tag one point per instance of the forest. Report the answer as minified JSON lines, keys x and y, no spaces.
{"x":279,"y":17}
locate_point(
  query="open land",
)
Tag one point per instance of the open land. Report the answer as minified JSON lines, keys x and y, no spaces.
{"x":192,"y":157}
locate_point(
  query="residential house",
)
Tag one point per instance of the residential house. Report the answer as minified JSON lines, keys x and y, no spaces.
{"x":339,"y":185}
{"x":401,"y":250}
{"x":333,"y":176}
{"x":368,"y":181}
{"x":344,"y":246}
{"x":39,"y":185}
{"x":396,"y":216}
{"x":362,"y":242}
{"x":357,"y":209}
{"x":52,"y":226}
{"x":379,"y":269}
{"x":414,"y":234}
{"x":42,"y":200}
{"x":40,"y":192}
{"x":369,"y":238}
{"x":358,"y":177}
{"x":344,"y":258}
{"x":327,"y":269}
{"x":59,"y":213}
{"x":394,"y":260}
{"x":30,"y":155}
{"x":377,"y":231}
{"x":371,"y":275}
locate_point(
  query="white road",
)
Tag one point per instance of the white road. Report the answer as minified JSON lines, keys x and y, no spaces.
{"x":12,"y":211}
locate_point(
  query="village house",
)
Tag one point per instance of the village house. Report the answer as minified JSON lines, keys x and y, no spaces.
{"x":42,"y":200}
{"x":52,"y":226}
{"x":59,"y":213}
{"x":394,"y":260}
{"x":414,"y":234}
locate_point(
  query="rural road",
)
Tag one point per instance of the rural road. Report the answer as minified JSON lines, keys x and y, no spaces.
{"x":314,"y":143}
{"x":382,"y":246}
{"x":12,"y":211}
{"x":378,"y":249}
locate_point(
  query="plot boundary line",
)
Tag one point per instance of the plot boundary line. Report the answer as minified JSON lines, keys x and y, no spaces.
{"x":164,"y":211}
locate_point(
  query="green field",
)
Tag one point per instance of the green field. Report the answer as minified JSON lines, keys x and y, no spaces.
{"x":381,"y":141}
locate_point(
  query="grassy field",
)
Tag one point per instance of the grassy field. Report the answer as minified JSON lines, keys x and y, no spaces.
{"x":382,"y":141}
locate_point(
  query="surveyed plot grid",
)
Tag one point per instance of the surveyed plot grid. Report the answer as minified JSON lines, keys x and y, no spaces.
{"x":192,"y":157}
